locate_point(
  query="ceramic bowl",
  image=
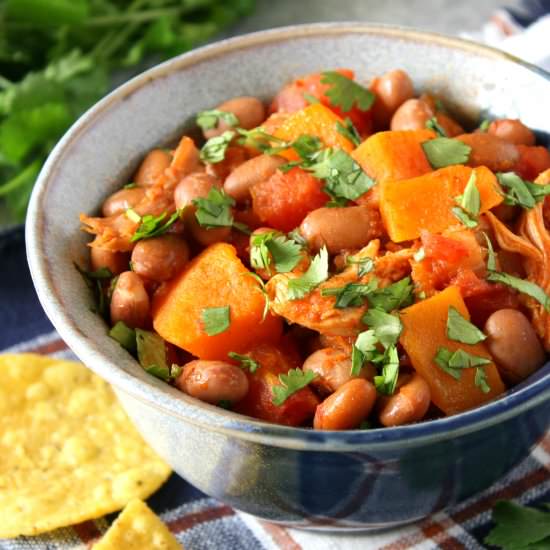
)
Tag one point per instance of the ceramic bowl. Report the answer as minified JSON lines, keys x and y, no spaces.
{"x":323,"y":480}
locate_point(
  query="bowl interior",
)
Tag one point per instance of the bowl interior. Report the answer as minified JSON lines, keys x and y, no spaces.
{"x":103,"y":148}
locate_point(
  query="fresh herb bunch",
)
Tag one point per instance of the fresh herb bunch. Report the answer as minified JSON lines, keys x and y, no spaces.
{"x":57,"y":58}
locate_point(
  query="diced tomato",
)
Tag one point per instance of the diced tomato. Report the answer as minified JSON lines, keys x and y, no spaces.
{"x":532,"y":161}
{"x":291,"y":98}
{"x":285,"y":199}
{"x":483,"y":298}
{"x":296,"y":410}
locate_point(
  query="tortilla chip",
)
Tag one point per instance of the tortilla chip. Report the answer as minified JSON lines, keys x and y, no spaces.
{"x":68,"y":451}
{"x":138,"y":528}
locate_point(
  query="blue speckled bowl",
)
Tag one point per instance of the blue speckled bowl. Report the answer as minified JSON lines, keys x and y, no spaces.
{"x":324,"y":480}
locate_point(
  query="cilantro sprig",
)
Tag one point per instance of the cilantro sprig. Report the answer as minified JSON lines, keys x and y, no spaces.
{"x":95,"y":281}
{"x":274,"y":248}
{"x":245,"y":361}
{"x":216,"y":320}
{"x":346,"y":93}
{"x":521,"y":285}
{"x":211,"y":119}
{"x":290,"y":383}
{"x":214,"y":210}
{"x":453,"y":362}
{"x":349,"y":131}
{"x":151,"y":352}
{"x":394,"y":296}
{"x":521,"y":192}
{"x":461,"y":330}
{"x":443,"y":151}
{"x":313,"y":277}
{"x":152,"y":226}
{"x":213,"y":151}
{"x":432,"y":124}
{"x":351,"y":294}
{"x":364,"y":265}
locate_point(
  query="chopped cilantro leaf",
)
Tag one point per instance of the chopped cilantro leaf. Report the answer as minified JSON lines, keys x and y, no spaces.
{"x":311,"y":99}
{"x":245,"y":361}
{"x":453,"y":362}
{"x":484,"y":125}
{"x":164,"y":373}
{"x":351,"y":294}
{"x":521,"y":192}
{"x":314,"y":276}
{"x":242,"y":227}
{"x":263,"y":290}
{"x":291,"y":382}
{"x":211,"y":119}
{"x":216,"y":320}
{"x":432,"y":124}
{"x":461,"y":330}
{"x":345,"y":93}
{"x":151,"y":352}
{"x":154,"y":226}
{"x":364,"y":265}
{"x":443,"y":151}
{"x":132,"y":215}
{"x":344,"y":178}
{"x":273,"y":246}
{"x":258,"y":138}
{"x":214,"y":149}
{"x":386,"y":382}
{"x":364,"y":349}
{"x":215,"y":209}
{"x":394,"y":296}
{"x":519,"y":527}
{"x":297,"y":237}
{"x":523,"y":286}
{"x":349,"y":131}
{"x":124,"y":335}
{"x":94,"y":281}
{"x":464,"y":217}
{"x":387,"y":327}
{"x":480,"y":380}
{"x":491,"y":258}
{"x":130,"y":185}
{"x":470,"y":200}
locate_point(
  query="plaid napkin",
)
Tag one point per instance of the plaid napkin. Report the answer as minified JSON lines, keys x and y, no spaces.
{"x":202,"y":523}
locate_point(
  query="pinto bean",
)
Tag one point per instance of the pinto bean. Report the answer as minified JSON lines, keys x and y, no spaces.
{"x":115,"y":262}
{"x":333,"y":369}
{"x":392,"y":89}
{"x":490,"y":151}
{"x":512,"y":130}
{"x":341,"y":228}
{"x":514,"y":345}
{"x":130,"y":301}
{"x":251,"y":172}
{"x":194,"y":186}
{"x":213,"y":381}
{"x":120,"y":201}
{"x":152,"y":167}
{"x":411,"y":115}
{"x":409,"y":404}
{"x":249,"y":110}
{"x":160,"y":258}
{"x":346,"y":407}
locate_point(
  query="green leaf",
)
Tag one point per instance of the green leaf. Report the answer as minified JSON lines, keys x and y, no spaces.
{"x":480,"y":380}
{"x":461,"y":330}
{"x":442,"y":152}
{"x":311,"y":99}
{"x":525,"y":287}
{"x":245,"y":361}
{"x":432,"y":124}
{"x":211,"y":119}
{"x":313,"y":277}
{"x":214,"y":210}
{"x":151,"y":351}
{"x":386,"y":382}
{"x":216,"y":320}
{"x":53,"y":12}
{"x":387,"y":327}
{"x":164,"y":372}
{"x":453,"y":362}
{"x":519,"y":527}
{"x":464,"y":217}
{"x":351,"y":294}
{"x":363,"y":349}
{"x":344,"y":178}
{"x":349,"y":131}
{"x":491,"y":258}
{"x":124,"y":335}
{"x":273,"y":246}
{"x":214,"y":149}
{"x":305,"y":145}
{"x":364,"y":265}
{"x":258,"y":138}
{"x":345,"y":93}
{"x":94,"y":281}
{"x":470,"y":200}
{"x":394,"y":296}
{"x":291,"y":382}
{"x":521,"y":192}
{"x":484,"y":125}
{"x":153,"y":226}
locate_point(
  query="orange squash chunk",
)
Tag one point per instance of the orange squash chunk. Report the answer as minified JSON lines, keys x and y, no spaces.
{"x":394,"y":155}
{"x":424,"y":332}
{"x":426,"y":202}
{"x":215,"y":278}
{"x":314,"y":120}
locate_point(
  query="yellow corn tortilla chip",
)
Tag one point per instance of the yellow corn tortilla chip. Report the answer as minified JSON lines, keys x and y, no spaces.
{"x":68,"y":452}
{"x":138,"y":528}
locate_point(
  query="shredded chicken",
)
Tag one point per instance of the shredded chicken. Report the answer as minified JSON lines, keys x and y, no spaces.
{"x":115,"y":232}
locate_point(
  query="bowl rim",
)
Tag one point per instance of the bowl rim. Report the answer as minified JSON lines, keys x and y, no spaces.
{"x":181,"y":406}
